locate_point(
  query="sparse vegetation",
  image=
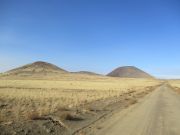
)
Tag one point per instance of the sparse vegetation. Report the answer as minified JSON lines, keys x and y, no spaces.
{"x":54,"y":100}
{"x":30,"y":99}
{"x":175,"y":84}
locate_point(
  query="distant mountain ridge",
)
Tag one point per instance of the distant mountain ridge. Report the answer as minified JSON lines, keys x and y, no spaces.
{"x":129,"y":72}
{"x":86,"y":72}
{"x":40,"y":69}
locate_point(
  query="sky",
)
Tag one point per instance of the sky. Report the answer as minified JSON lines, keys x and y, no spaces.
{"x":92,"y":35}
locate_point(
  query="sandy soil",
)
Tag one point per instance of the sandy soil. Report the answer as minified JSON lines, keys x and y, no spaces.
{"x":156,"y":114}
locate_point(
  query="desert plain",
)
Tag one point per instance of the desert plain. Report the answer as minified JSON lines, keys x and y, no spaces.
{"x":41,"y":99}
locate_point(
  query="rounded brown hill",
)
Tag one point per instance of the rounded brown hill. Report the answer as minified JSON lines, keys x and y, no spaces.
{"x":37,"y":68}
{"x":129,"y":72}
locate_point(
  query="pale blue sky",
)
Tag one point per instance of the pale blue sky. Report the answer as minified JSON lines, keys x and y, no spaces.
{"x":94,"y":35}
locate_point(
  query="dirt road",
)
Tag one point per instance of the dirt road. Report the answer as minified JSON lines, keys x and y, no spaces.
{"x":156,"y":114}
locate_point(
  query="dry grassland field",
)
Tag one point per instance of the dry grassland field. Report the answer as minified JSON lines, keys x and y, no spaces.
{"x":26,"y":100}
{"x":47,"y":96}
{"x":175,"y":84}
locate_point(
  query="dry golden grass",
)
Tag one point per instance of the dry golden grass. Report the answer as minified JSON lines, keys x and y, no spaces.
{"x":26,"y":99}
{"x":174,"y":83}
{"x":106,"y":83}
